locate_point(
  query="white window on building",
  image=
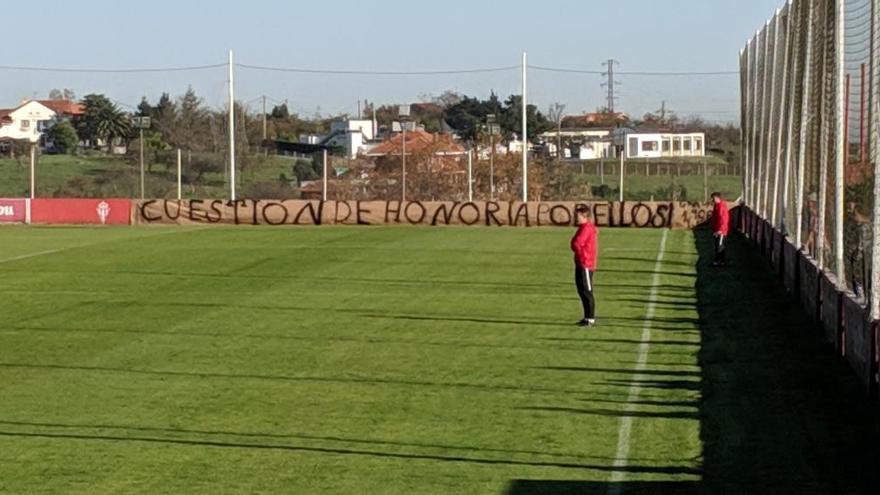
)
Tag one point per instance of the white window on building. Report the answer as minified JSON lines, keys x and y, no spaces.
{"x":676,"y":144}
{"x":650,"y":146}
{"x":667,"y":145}
{"x":687,"y":144}
{"x":633,"y":146}
{"x":25,"y":125}
{"x":698,"y":144}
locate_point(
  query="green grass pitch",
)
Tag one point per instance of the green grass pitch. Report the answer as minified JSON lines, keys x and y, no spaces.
{"x":403,"y":361}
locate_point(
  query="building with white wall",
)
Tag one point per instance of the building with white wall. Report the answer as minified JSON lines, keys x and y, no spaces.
{"x":25,"y":122}
{"x":665,"y":145}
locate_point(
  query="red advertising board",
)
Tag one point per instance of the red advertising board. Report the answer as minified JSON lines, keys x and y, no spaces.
{"x":13,"y":210}
{"x":81,"y":211}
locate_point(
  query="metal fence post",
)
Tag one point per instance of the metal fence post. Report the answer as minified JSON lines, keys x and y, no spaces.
{"x":784,"y":17}
{"x":805,"y":123}
{"x":840,"y":105}
{"x":875,"y":160}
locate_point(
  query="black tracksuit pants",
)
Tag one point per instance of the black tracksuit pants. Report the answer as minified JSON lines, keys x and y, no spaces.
{"x":583,"y":278}
{"x":720,"y":249}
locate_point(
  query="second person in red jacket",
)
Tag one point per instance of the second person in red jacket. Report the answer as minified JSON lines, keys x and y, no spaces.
{"x":720,"y":229}
{"x":585,"y":245}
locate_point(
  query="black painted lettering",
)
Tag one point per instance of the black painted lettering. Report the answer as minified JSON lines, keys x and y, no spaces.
{"x":522,"y":213}
{"x":447,"y":213}
{"x":560,"y":216}
{"x":492,"y":207}
{"x":266,"y":211}
{"x":392,"y":208}
{"x":194,"y":206}
{"x":215,"y":209}
{"x":168,"y":214}
{"x":473,"y":220}
{"x":313,"y":214}
{"x":407,"y":212}
{"x":360,"y":213}
{"x":543,"y":211}
{"x":339,"y":205}
{"x":143,"y":210}
{"x":602,"y":214}
{"x":641,"y":214}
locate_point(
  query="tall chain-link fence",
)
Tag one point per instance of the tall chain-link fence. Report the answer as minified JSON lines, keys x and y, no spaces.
{"x":810,"y":104}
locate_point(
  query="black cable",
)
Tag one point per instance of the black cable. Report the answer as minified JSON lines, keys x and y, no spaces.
{"x":376,"y":73}
{"x":635,"y":73}
{"x":110,"y":71}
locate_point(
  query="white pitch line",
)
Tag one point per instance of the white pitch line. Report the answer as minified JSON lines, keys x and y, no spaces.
{"x":621,"y":460}
{"x":54,"y":251}
{"x":30,"y":255}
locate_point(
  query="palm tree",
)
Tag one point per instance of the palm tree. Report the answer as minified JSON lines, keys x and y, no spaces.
{"x":103,"y":122}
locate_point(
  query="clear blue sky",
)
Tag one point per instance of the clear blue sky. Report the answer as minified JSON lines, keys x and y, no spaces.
{"x":644,"y":35}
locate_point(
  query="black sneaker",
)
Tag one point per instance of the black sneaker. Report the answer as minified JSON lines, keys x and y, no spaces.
{"x":584,"y":323}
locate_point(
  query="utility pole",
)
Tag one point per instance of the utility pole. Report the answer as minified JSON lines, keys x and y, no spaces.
{"x":265,"y":124}
{"x":610,"y":84}
{"x":525,"y":127}
{"x":231,"y":127}
{"x":142,"y":162}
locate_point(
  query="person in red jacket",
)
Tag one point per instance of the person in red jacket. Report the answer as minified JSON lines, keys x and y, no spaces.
{"x":585,"y":245}
{"x":720,"y":229}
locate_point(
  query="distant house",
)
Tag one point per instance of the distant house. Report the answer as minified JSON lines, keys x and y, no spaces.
{"x":587,"y":143}
{"x":25,"y":122}
{"x":665,"y":144}
{"x":598,"y":119}
{"x":419,"y":141}
{"x":64,"y":109}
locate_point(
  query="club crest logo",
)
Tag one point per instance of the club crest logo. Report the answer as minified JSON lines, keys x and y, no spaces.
{"x":103,"y":210}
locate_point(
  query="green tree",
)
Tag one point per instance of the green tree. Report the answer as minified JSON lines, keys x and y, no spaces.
{"x":191,"y":127}
{"x":64,"y":137}
{"x":102,"y":121}
{"x":511,"y":118}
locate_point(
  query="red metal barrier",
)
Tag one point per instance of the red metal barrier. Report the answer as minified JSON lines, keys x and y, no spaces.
{"x":81,"y":211}
{"x":13,"y":210}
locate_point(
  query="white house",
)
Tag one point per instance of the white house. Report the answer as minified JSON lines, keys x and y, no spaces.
{"x":582,"y":144}
{"x":25,"y":122}
{"x":665,"y":145}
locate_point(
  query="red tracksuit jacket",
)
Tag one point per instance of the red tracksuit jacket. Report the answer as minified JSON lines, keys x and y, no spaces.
{"x":720,"y":219}
{"x":585,"y":245}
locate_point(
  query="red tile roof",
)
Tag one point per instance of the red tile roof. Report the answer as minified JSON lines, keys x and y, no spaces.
{"x":417,"y":141}
{"x":64,"y":107}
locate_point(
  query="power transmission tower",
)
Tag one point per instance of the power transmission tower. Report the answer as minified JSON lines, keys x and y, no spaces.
{"x":610,"y":84}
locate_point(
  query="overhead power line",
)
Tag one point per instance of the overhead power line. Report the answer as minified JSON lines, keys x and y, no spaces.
{"x":377,"y":72}
{"x":110,"y":71}
{"x":635,"y":73}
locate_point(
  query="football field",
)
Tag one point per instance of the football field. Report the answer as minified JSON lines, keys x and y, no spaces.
{"x":410,"y":361}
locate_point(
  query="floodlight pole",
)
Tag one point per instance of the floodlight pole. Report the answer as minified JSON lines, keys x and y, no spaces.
{"x":324,"y":179}
{"x":470,"y":159}
{"x":33,"y":170}
{"x":403,"y":158}
{"x":141,"y":133}
{"x":179,"y":182}
{"x":231,"y":126}
{"x":525,"y":128}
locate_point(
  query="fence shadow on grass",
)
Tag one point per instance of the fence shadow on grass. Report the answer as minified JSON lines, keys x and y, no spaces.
{"x":781,"y":414}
